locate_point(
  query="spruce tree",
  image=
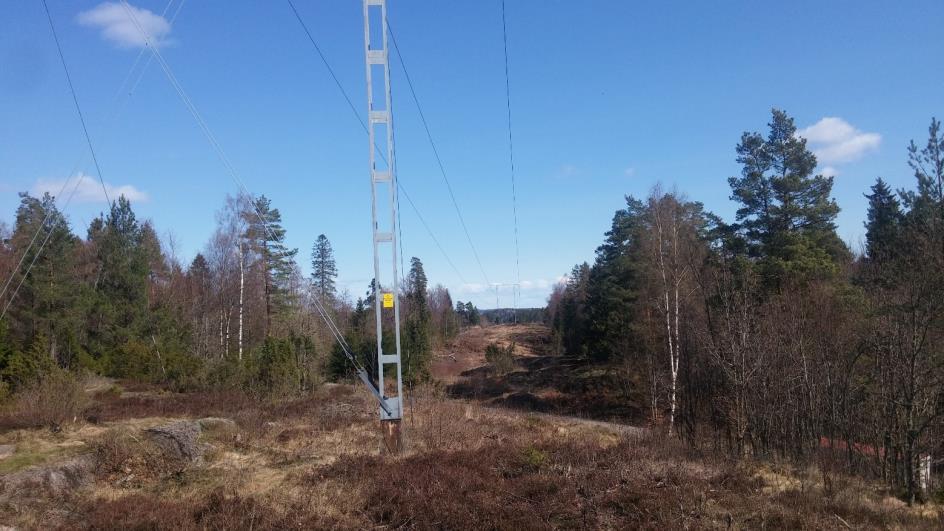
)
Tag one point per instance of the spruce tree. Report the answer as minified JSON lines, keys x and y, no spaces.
{"x":324,"y":271}
{"x":418,"y":345}
{"x":883,"y":224}
{"x":119,"y":317}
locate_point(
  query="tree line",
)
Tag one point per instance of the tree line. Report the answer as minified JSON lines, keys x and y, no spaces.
{"x":240,"y":314}
{"x":767,"y":335}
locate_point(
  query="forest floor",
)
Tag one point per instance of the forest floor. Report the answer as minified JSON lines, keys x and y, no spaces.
{"x":315,"y":462}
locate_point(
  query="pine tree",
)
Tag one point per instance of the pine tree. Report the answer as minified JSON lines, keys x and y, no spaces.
{"x":266,"y":236}
{"x":324,"y":271}
{"x":472,"y":314}
{"x":598,"y":303}
{"x":786,"y":214}
{"x":926,"y":204}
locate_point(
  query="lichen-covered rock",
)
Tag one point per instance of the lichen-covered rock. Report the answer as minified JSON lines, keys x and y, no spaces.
{"x":52,"y":479}
{"x":178,"y":440}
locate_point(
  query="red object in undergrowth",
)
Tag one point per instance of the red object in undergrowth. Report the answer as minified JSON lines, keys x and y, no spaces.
{"x":859,"y":448}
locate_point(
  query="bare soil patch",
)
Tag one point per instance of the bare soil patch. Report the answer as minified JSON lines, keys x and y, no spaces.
{"x":540,"y":380}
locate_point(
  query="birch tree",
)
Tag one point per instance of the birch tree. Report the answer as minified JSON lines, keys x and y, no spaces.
{"x":675,"y":247}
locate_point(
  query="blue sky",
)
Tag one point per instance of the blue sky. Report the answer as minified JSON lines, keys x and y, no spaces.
{"x":609,"y":98}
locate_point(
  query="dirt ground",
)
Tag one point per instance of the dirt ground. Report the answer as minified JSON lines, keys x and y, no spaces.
{"x":467,"y":351}
{"x":540,"y":381}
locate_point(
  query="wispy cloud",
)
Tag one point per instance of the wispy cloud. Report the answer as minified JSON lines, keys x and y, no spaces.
{"x":828,"y":171}
{"x":89,"y":190}
{"x":472,"y":288}
{"x":629,"y":172}
{"x":539,"y":284}
{"x":836,"y":141}
{"x":112,"y":19}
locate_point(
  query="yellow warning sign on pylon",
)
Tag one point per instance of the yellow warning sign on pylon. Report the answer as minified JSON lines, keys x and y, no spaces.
{"x":388,"y":300}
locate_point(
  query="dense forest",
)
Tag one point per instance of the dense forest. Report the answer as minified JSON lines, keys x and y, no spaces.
{"x":239,"y":315}
{"x":766,"y":335}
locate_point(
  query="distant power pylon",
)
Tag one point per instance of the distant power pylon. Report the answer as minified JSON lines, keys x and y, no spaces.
{"x":383,"y":189}
{"x":515,"y":292}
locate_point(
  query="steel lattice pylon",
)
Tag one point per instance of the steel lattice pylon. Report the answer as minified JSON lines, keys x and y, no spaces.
{"x":383,"y":188}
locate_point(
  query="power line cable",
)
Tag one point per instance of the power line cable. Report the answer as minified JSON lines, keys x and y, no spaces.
{"x":360,"y":119}
{"x":39,"y":251}
{"x":511,"y":152}
{"x":432,"y":143}
{"x":393,"y":173}
{"x":75,"y":100}
{"x":362,"y":373}
{"x":65,"y":183}
{"x":75,"y":167}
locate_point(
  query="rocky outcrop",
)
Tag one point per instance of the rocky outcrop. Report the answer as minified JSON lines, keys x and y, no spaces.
{"x":54,"y":479}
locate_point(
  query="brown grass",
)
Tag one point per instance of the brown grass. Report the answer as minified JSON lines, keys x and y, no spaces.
{"x":315,"y":463}
{"x":51,"y":402}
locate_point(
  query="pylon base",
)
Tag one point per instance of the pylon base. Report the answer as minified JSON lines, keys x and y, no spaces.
{"x":392,"y":438}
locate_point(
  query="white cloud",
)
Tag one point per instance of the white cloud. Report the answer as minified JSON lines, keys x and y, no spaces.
{"x":835,"y":141}
{"x":88,"y":190}
{"x":629,"y":172}
{"x":117,"y":26}
{"x":473,"y":288}
{"x":828,"y":171}
{"x":539,"y":284}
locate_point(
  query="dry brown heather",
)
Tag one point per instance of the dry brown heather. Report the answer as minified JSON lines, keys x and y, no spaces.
{"x":315,"y":463}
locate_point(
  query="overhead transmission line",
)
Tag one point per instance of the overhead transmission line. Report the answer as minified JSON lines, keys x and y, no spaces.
{"x":511,"y":153}
{"x":432,"y":143}
{"x":75,"y":167}
{"x":46,"y":218}
{"x":380,"y":153}
{"x":360,"y":369}
{"x":39,"y":251}
{"x":75,"y":100}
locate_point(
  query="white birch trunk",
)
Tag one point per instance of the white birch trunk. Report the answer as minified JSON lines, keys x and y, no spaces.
{"x":242,"y":278}
{"x":229,"y":318}
{"x":221,"y":329}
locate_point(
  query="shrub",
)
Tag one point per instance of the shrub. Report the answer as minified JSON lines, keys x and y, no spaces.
{"x":502,"y":359}
{"x":119,"y":453}
{"x":534,"y":458}
{"x":21,"y":368}
{"x":51,"y":400}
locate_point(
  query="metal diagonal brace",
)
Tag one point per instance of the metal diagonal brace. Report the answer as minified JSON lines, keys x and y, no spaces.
{"x":362,"y":374}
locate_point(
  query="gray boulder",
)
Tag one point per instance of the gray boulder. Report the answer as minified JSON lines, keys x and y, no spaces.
{"x":178,"y":440}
